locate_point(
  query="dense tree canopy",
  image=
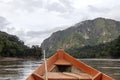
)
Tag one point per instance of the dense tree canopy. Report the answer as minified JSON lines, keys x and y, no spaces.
{"x":12,"y":46}
{"x":110,"y":50}
{"x":114,"y":49}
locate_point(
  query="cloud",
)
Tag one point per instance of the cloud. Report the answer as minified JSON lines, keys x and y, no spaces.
{"x":35,"y":20}
{"x":56,"y":7}
{"x":94,"y":9}
{"x":10,"y":29}
{"x":3,"y":23}
{"x":45,"y":32}
{"x":37,"y":37}
{"x":61,"y":6}
{"x":66,"y":2}
{"x":27,"y":5}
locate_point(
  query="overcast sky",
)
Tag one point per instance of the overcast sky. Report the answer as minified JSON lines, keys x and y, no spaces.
{"x":34,"y":20}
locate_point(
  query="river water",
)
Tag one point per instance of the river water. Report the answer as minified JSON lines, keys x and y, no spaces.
{"x":20,"y":69}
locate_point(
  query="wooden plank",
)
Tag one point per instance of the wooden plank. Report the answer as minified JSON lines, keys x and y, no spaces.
{"x":51,"y":68}
{"x":68,"y":76}
{"x":58,"y":75}
{"x":98,"y":76}
{"x":62,"y":62}
{"x":37,"y":77}
{"x":80,"y":76}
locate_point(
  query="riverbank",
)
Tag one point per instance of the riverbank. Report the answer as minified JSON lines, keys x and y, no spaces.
{"x":16,"y":58}
{"x":31,"y":58}
{"x":101,"y":59}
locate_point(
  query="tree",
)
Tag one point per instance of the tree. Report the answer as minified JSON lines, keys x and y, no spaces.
{"x":115,"y":49}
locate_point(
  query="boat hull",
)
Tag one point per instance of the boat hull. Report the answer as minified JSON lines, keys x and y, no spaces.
{"x":62,"y":66}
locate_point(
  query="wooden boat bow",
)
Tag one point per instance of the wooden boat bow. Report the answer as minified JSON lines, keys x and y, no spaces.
{"x":62,"y":66}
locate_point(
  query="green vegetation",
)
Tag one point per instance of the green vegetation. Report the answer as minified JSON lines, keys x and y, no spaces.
{"x":114,"y":49}
{"x":12,"y":46}
{"x":107,"y":50}
{"x":90,"y":36}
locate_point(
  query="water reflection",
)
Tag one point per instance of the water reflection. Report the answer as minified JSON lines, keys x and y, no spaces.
{"x":20,"y":69}
{"x":17,"y":70}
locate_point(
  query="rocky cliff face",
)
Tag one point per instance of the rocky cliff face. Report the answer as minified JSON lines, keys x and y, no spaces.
{"x":89,"y":32}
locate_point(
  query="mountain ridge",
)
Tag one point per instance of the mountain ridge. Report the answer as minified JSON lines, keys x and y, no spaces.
{"x":89,"y":32}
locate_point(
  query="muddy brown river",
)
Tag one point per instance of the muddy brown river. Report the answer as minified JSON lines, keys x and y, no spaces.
{"x":20,"y":69}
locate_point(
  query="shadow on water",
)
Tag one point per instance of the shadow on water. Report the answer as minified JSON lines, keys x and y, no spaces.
{"x":20,"y":69}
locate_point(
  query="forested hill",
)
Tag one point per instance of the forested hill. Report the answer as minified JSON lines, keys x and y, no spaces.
{"x":107,"y":50}
{"x":12,"y":46}
{"x":89,"y":32}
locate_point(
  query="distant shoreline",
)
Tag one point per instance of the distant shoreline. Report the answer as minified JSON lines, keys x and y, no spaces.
{"x":16,"y":58}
